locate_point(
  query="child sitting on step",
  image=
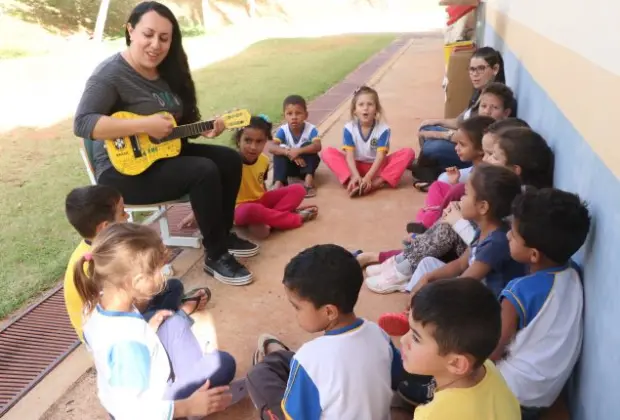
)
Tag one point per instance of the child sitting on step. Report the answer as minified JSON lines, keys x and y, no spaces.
{"x":258,"y":209}
{"x":366,"y":166}
{"x":296,"y":146}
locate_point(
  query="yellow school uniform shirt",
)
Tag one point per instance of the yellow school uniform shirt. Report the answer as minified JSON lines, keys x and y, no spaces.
{"x":490,"y":399}
{"x":253,"y":180}
{"x":73,"y":302}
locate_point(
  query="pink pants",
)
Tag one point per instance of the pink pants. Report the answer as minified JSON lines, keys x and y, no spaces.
{"x":394,"y":165}
{"x":440,"y":195}
{"x":274,"y":209}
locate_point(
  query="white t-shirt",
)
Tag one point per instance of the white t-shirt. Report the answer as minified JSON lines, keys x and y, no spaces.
{"x":133,"y":368}
{"x":366,"y":148}
{"x":541,"y":357}
{"x":345,"y":374}
{"x":285,"y":137}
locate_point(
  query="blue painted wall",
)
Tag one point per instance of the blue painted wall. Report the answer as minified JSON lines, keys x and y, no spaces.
{"x":594,"y":389}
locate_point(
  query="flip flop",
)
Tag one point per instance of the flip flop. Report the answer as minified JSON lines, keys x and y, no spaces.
{"x":395,"y":324}
{"x":189,"y":297}
{"x":263,"y":341}
{"x":310,"y":191}
{"x":421,"y":186}
{"x":308,"y":213}
{"x":357,"y":252}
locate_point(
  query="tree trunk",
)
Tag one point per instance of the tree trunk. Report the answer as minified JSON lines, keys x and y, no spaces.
{"x":101,"y":18}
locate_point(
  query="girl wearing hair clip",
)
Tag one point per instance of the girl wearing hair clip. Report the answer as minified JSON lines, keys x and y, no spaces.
{"x":365,"y":164}
{"x":258,"y":209}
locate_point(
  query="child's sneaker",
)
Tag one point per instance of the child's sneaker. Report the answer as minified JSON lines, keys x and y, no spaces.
{"x":395,"y":324}
{"x":388,"y":281}
{"x":375,"y":270}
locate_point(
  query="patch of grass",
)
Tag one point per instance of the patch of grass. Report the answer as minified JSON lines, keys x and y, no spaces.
{"x":39,"y":167}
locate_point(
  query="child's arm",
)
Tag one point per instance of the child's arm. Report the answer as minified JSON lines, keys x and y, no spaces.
{"x":510,"y":324}
{"x":383,"y":145}
{"x":274,"y":147}
{"x":311,"y":149}
{"x":301,"y":398}
{"x":349,"y":148}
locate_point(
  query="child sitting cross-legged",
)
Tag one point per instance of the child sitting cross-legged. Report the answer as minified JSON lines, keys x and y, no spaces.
{"x":296,"y":146}
{"x":90,"y":210}
{"x":349,"y":372}
{"x":542,"y":313}
{"x":257,"y":208}
{"x":366,"y":166}
{"x":151,"y":369}
{"x":454,"y":325}
{"x":488,"y":195}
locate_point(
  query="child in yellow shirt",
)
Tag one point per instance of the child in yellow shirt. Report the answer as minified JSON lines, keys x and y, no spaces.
{"x":455,"y":326}
{"x":90,"y":210}
{"x":258,"y":209}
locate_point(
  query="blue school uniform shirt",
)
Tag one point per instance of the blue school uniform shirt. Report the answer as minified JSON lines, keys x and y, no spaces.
{"x":133,"y":369}
{"x":495,"y":252}
{"x":348,"y":373}
{"x":285,"y":137}
{"x":366,"y":147}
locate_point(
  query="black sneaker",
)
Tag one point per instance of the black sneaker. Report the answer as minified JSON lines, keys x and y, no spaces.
{"x":240,"y":247}
{"x":228,"y":270}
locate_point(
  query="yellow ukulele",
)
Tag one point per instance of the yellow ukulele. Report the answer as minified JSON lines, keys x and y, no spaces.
{"x":132,"y":155}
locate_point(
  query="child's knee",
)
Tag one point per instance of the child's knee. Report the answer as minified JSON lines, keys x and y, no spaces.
{"x":228,"y":367}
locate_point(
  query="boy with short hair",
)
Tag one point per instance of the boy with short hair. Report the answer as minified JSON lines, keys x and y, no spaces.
{"x":296,"y":146}
{"x":542,"y":313}
{"x":454,"y":326}
{"x":90,"y":210}
{"x":497,"y":101}
{"x":347,"y":373}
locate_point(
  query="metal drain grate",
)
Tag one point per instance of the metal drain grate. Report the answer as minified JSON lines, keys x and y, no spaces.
{"x":33,"y":344}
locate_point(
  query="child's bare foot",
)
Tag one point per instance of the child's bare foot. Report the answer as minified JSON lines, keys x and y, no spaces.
{"x":368,"y":258}
{"x":259,"y":231}
{"x":377,"y":184}
{"x":309,"y":186}
{"x":188,"y":222}
{"x":308,"y":213}
{"x":277,"y":184}
{"x":196,"y":300}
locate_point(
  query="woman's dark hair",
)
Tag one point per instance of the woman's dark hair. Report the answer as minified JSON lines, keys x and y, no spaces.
{"x":493,"y":58}
{"x":475,"y":127}
{"x":258,"y":122}
{"x":527,"y":149}
{"x":174,"y":69}
{"x":496,"y":185}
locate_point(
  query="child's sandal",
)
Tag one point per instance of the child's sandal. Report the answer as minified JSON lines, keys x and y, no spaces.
{"x":308,"y":213}
{"x":421,"y":186}
{"x":310,"y":191}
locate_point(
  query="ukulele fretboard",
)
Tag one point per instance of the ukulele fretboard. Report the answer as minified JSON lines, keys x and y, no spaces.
{"x":188,"y":130}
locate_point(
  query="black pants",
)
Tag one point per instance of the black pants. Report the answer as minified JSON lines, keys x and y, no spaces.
{"x":170,"y":299}
{"x":210,"y":174}
{"x":266,"y":384}
{"x":283,"y":167}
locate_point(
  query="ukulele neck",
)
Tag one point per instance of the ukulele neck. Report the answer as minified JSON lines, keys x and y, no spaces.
{"x":189,"y":130}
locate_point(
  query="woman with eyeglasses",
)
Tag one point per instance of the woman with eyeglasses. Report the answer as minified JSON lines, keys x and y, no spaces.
{"x":436,"y":146}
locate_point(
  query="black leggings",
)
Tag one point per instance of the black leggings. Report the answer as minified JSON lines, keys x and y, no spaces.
{"x":210,"y":174}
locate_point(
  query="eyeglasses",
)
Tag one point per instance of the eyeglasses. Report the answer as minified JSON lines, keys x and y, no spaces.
{"x":478,"y":69}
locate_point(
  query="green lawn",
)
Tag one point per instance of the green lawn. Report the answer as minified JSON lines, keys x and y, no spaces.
{"x":39,"y":167}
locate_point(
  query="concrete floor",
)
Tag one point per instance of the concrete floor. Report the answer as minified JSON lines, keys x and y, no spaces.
{"x":409,"y":91}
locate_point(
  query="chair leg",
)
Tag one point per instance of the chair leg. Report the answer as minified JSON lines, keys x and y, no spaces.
{"x":179,"y":241}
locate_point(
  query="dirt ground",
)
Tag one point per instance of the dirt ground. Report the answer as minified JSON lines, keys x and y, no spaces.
{"x":410,"y":92}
